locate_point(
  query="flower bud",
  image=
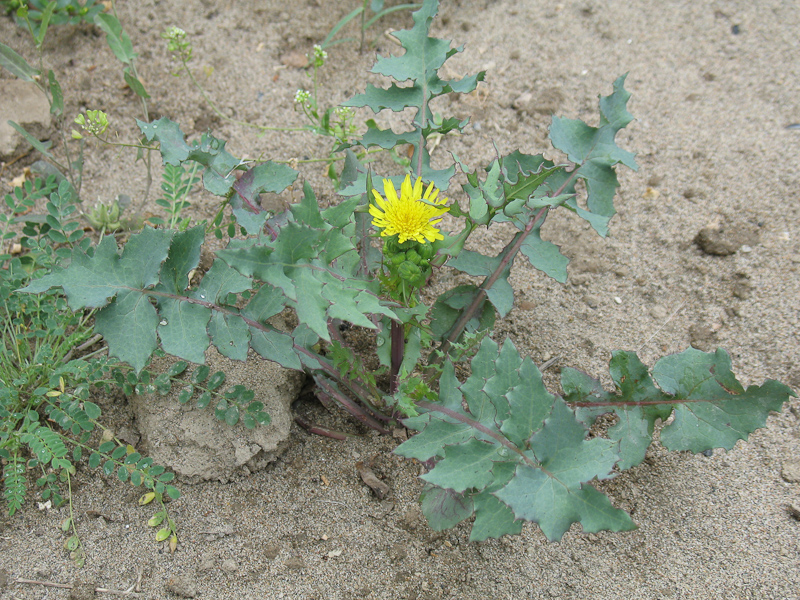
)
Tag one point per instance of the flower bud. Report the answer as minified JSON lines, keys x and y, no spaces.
{"x":426,"y":251}
{"x":409,"y":272}
{"x":414,"y":257}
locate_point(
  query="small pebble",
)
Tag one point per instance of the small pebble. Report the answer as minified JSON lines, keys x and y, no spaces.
{"x":229,"y":565}
{"x":790,"y":471}
{"x":295,"y":563}
{"x":592,"y":300}
{"x":182,"y":585}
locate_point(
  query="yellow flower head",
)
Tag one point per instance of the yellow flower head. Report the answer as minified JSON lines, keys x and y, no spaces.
{"x":412,"y":216}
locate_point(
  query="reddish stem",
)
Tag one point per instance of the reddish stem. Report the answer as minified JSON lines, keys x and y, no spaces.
{"x":398,"y":340}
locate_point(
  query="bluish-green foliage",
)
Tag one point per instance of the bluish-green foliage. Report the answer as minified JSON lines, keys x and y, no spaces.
{"x":499,"y":445}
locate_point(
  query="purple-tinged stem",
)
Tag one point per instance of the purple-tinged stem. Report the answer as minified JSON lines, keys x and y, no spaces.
{"x":398,"y":340}
{"x":350,"y":406}
{"x":508,"y":255}
{"x":317,"y":430}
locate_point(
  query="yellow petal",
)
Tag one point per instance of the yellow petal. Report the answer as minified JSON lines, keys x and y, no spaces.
{"x":389,"y":191}
{"x":406,"y":189}
{"x":418,"y":189}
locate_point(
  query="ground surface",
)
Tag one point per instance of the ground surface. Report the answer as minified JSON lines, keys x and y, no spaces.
{"x":715,"y":85}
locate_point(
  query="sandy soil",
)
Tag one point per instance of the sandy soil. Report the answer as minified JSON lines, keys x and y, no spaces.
{"x":715,"y":85}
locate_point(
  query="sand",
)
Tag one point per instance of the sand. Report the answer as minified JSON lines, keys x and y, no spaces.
{"x":715,"y":85}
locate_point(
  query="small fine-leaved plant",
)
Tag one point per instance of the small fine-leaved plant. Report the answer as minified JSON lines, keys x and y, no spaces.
{"x":497,"y":445}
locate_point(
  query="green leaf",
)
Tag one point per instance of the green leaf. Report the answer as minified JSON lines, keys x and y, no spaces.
{"x":219,"y":281}
{"x":94,"y":460}
{"x":595,"y":151}
{"x":448,"y":306}
{"x":265,"y":177}
{"x":493,"y":519}
{"x":525,"y":175}
{"x":716,"y":410}
{"x":117,"y":39}
{"x":314,"y":268}
{"x":554,"y":494}
{"x":527,"y":449}
{"x":203,"y":400}
{"x":91,"y":281}
{"x":501,"y":294}
{"x":218,"y":177}
{"x":217,"y":379}
{"x":230,"y":334}
{"x":275,"y":346}
{"x":200,"y":374}
{"x":57,"y":105}
{"x":184,"y":256}
{"x":174,"y":149}
{"x":232,"y":415}
{"x":16,"y":64}
{"x":465,"y":466}
{"x":185,"y":394}
{"x":438,"y":434}
{"x":529,"y":403}
{"x":177,"y":368}
{"x":423,"y":57}
{"x":92,"y":410}
{"x":386,"y":138}
{"x":134,"y":83}
{"x":41,"y":30}
{"x":444,"y":508}
{"x":183,"y":329}
{"x":42,"y":147}
{"x":534,"y":496}
{"x":545,"y":256}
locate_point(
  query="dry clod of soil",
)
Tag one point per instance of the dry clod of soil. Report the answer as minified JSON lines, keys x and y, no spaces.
{"x":720,"y":240}
{"x":197,"y":445}
{"x":182,"y":585}
{"x":27,"y":106}
{"x":295,"y":563}
{"x":82,"y":590}
{"x":791,"y":471}
{"x":229,"y":565}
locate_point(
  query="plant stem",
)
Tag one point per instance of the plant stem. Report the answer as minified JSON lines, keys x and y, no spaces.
{"x":398,"y":340}
{"x":324,"y":431}
{"x":351,"y":407}
{"x":507,"y":258}
{"x":498,"y":437}
{"x":508,"y":254}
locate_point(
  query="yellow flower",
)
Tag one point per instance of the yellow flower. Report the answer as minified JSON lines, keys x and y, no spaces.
{"x":412,"y":216}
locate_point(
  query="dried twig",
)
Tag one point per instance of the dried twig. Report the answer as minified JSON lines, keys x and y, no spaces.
{"x":69,"y":586}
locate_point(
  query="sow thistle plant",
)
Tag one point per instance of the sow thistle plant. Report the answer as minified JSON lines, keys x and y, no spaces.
{"x":497,"y":445}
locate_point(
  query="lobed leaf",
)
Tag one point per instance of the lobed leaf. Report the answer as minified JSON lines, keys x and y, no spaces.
{"x":595,"y":152}
{"x":506,"y":449}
